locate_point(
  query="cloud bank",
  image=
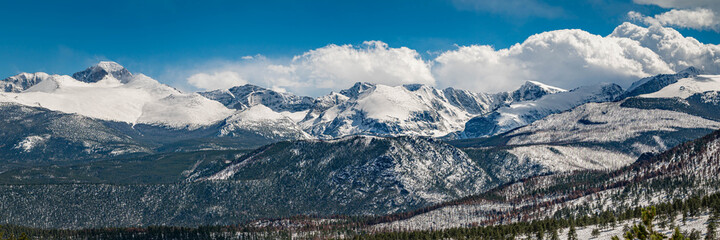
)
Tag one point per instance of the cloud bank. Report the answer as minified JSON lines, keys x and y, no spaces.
{"x":563,"y":58}
{"x":216,"y":80}
{"x":694,"y":14}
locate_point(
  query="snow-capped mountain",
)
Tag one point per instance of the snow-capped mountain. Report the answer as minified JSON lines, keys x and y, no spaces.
{"x":110,"y":92}
{"x":247,"y":96}
{"x":107,"y":91}
{"x":373,"y":109}
{"x":386,"y":110}
{"x":22,"y":81}
{"x":533,"y":90}
{"x":606,"y":135}
{"x":685,"y":87}
{"x":522,"y":113}
{"x":101,"y":70}
{"x":655,"y":83}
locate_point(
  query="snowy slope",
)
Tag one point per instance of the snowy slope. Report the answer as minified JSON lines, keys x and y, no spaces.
{"x":388,"y":173}
{"x":686,"y":87}
{"x":132,"y":99}
{"x":386,"y":110}
{"x":655,"y":83}
{"x":264,"y":121}
{"x":522,"y":113}
{"x":687,"y":170}
{"x":247,"y":96}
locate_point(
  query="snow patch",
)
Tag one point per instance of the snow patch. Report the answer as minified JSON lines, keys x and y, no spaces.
{"x":30,"y":142}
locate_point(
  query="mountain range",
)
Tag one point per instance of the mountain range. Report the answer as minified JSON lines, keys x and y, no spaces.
{"x":109,"y":137}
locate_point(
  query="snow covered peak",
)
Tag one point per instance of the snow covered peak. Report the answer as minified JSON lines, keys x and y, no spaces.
{"x":247,"y":96}
{"x":22,"y":81}
{"x":533,"y":90}
{"x":357,"y":89}
{"x":691,"y":71}
{"x":686,"y":87}
{"x":657,"y":82}
{"x":108,"y":91}
{"x":523,"y":113}
{"x":102,"y":70}
{"x":110,"y":66}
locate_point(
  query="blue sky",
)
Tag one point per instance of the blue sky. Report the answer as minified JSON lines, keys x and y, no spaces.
{"x":158,"y":37}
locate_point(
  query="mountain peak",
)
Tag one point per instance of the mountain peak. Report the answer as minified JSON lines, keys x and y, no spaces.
{"x":357,"y":89}
{"x":532,"y":90}
{"x":22,"y":81}
{"x":99,"y":71}
{"x":660,"y":81}
{"x":690,"y":71}
{"x":109,"y":66}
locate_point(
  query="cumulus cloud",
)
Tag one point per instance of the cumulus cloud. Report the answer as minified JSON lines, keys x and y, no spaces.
{"x":217,"y":80}
{"x":337,"y":66}
{"x":333,"y":67}
{"x":695,"y":14}
{"x":564,"y":58}
{"x":678,"y":51}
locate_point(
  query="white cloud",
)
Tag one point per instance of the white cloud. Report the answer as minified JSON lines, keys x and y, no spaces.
{"x":678,"y":51}
{"x":695,"y":14}
{"x":564,"y":58}
{"x":217,"y":80}
{"x":701,"y":19}
{"x":682,"y":4}
{"x":340,"y":66}
{"x":330,"y":68}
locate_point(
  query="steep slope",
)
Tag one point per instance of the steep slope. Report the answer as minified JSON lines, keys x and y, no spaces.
{"x":533,"y":90}
{"x":655,"y":83}
{"x":606,"y":135}
{"x":102,"y":70}
{"x":522,"y":113}
{"x":247,"y":96}
{"x":686,"y":87}
{"x":263,"y":121}
{"x":689,"y":170}
{"x":31,"y":136}
{"x":373,"y":109}
{"x":22,"y":81}
{"x":354,"y":175}
{"x":414,"y":109}
{"x":39,"y":138}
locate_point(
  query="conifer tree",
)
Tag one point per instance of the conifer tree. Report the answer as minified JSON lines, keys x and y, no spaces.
{"x":572,"y":234}
{"x":540,"y":234}
{"x":711,"y":230}
{"x":677,"y":235}
{"x":555,"y":235}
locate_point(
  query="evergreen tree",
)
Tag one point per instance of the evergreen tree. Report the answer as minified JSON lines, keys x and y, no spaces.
{"x":694,"y":235}
{"x":540,"y":234}
{"x":711,"y":228}
{"x":555,"y":235}
{"x":572,"y":234}
{"x":677,"y":235}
